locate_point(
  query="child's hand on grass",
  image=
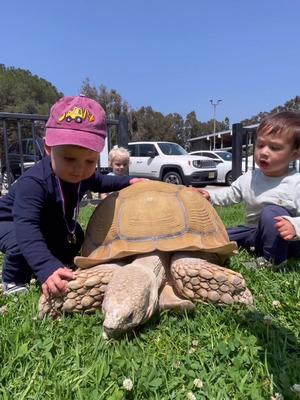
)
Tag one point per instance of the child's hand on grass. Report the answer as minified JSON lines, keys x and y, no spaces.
{"x":56,"y":283}
{"x":285,"y":228}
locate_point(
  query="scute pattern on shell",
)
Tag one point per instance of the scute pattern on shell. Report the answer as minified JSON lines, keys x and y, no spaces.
{"x":151,"y":216}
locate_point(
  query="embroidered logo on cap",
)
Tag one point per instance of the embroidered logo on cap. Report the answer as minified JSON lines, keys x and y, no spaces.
{"x":77,"y":114}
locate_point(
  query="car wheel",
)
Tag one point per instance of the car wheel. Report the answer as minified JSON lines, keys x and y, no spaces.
{"x":228,"y":178}
{"x":172,"y":177}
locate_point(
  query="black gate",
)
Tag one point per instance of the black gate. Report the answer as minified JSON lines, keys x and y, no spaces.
{"x":243,"y":144}
{"x":21,"y":143}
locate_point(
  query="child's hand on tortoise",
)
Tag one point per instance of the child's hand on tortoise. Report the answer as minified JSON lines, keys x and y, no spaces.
{"x":56,"y":283}
{"x":204,"y":193}
{"x":137,"y":180}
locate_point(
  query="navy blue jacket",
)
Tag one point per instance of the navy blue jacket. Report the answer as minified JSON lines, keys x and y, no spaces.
{"x":34,"y":204}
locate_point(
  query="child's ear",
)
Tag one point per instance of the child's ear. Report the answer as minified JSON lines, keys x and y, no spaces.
{"x":47,"y":149}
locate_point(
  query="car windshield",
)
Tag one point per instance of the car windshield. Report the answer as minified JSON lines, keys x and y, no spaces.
{"x":225,"y":155}
{"x":172,"y":149}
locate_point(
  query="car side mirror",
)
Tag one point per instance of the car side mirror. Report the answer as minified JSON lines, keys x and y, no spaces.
{"x":151,"y":153}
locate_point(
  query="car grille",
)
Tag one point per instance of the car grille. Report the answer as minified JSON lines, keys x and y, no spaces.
{"x":204,"y":164}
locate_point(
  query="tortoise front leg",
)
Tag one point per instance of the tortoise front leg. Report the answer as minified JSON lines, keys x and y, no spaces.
{"x":197,"y":279}
{"x":168,"y":300}
{"x":84,"y":293}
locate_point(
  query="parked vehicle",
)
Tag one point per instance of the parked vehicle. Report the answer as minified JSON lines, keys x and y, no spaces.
{"x":169,"y":162}
{"x":223,"y":159}
{"x":224,"y":163}
{"x":32,"y":151}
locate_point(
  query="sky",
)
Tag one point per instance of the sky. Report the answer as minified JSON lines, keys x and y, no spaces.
{"x":174,"y":56}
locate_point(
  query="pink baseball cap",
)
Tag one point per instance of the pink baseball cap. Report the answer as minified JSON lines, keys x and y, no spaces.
{"x":76,"y":120}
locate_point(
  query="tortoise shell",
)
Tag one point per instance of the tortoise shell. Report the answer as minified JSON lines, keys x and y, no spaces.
{"x":149,"y":216}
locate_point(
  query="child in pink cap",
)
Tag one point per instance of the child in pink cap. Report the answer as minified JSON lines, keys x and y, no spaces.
{"x":39,"y":231}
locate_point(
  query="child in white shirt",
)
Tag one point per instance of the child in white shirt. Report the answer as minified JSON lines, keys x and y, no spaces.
{"x":271,"y":193}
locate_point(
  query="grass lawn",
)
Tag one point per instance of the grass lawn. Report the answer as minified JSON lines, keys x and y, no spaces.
{"x":214,"y":353}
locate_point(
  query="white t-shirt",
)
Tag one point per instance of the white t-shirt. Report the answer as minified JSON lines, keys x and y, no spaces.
{"x":257,"y":190}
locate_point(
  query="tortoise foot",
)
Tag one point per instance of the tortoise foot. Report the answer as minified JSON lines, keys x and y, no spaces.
{"x":85,"y":293}
{"x":200,"y":280}
{"x":244,"y":297}
{"x":168,"y":300}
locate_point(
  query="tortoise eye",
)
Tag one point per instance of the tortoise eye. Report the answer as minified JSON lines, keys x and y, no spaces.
{"x":130,"y":317}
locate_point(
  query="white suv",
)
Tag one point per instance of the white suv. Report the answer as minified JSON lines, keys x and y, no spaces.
{"x":169,"y":162}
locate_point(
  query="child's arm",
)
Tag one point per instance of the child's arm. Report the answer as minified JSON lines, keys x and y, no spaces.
{"x":29,"y":200}
{"x":233,"y":194}
{"x":108,"y":183}
{"x":131,"y":182}
{"x":285,"y":228}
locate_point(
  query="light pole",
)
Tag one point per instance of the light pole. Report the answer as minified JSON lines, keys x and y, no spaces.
{"x":215,"y":106}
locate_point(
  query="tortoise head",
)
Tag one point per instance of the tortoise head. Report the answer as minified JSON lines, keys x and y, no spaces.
{"x":131,"y":298}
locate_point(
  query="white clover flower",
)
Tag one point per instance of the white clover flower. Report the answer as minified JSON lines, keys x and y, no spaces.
{"x":195,"y":343}
{"x":127,"y":384}
{"x":198,"y":383}
{"x":192,"y":350}
{"x":3,"y":310}
{"x":268,"y":320}
{"x":276,"y":304}
{"x":190,"y":396}
{"x":296,"y":389}
{"x":177,"y":364}
{"x":277,"y":396}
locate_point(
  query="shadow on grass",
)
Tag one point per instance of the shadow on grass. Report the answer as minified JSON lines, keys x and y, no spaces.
{"x":281,"y":351}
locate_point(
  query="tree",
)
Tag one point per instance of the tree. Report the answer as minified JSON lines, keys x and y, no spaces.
{"x":22,"y":92}
{"x":192,"y":125}
{"x":110,"y":100}
{"x":150,"y":124}
{"x":227,"y":123}
{"x":175,"y":129}
{"x":290,"y":105}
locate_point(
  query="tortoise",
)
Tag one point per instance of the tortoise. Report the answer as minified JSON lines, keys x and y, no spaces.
{"x":151,"y":246}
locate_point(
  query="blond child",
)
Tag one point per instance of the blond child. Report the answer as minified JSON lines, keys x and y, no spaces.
{"x":118,"y":161}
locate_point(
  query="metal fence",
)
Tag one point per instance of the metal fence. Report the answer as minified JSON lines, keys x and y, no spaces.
{"x":19,"y":132}
{"x":243,"y":144}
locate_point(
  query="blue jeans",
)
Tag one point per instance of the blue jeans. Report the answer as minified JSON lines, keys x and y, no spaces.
{"x":265,"y":238}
